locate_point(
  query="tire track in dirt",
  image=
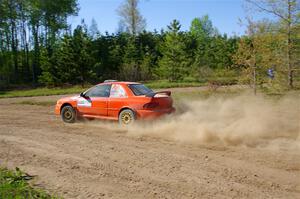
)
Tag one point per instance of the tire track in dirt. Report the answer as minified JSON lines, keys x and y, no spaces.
{"x":91,"y":161}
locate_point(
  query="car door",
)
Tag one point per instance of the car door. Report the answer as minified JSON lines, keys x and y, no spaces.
{"x":95,"y":101}
{"x":117,"y":100}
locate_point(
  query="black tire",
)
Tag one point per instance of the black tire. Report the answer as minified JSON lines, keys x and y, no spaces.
{"x":68,"y":114}
{"x":126,"y":117}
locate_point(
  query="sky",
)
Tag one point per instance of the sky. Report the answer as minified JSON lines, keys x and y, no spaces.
{"x":225,"y":14}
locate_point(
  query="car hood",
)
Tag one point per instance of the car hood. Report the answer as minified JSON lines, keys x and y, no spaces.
{"x":68,"y":99}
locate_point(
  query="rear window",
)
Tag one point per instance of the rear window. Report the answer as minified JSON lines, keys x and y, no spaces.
{"x":139,"y":89}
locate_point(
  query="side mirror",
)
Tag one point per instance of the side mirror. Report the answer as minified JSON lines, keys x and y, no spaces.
{"x":82,"y":95}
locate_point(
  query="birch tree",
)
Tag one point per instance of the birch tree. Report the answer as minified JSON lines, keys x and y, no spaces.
{"x":131,"y":18}
{"x":288,"y":12}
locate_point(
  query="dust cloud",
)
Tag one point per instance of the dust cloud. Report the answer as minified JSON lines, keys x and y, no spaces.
{"x":246,"y":120}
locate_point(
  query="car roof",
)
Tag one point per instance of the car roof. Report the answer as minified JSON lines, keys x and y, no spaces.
{"x":119,"y":82}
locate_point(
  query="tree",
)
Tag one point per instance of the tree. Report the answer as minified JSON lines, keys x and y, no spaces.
{"x":211,"y":51}
{"x":202,"y":28}
{"x":131,"y":18}
{"x":174,"y":62}
{"x":260,"y":50}
{"x":84,"y":62}
{"x":148,"y":43}
{"x":246,"y":57}
{"x":55,"y":18}
{"x":93,"y":29}
{"x":71,"y":62}
{"x":288,"y":12}
{"x":36,"y":43}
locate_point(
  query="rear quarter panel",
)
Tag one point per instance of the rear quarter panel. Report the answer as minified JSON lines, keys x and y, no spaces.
{"x":115,"y":105}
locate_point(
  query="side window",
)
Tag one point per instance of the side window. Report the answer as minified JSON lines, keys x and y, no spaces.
{"x":99,"y":91}
{"x":117,"y":91}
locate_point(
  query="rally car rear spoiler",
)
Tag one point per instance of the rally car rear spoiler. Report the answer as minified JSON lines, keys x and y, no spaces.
{"x":160,"y":92}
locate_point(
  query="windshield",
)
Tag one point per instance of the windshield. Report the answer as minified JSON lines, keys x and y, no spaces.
{"x":139,"y":89}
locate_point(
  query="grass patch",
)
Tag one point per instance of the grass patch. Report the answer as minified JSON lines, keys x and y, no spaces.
{"x":14,"y":184}
{"x":78,"y":89}
{"x":41,"y":92}
{"x":159,"y":84}
{"x":38,"y":103}
{"x":166,"y":84}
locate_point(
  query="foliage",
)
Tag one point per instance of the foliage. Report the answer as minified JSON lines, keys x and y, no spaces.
{"x":13,"y":184}
{"x":175,"y":61}
{"x":212,"y":50}
{"x":27,"y":28}
{"x":271,"y":45}
{"x":39,"y":47}
{"x":287,"y":13}
{"x":202,"y":28}
{"x":131,"y":19}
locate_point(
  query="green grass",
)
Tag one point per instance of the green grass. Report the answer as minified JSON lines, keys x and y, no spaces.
{"x":14,"y":184}
{"x":78,"y":89}
{"x":38,"y":103}
{"x":166,"y":84}
{"x":159,"y":84}
{"x":41,"y":92}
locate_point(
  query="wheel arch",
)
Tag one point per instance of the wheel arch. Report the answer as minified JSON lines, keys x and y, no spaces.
{"x":129,"y":108}
{"x":65,"y":104}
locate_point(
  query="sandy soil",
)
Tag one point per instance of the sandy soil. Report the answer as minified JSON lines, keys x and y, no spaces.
{"x":90,"y":160}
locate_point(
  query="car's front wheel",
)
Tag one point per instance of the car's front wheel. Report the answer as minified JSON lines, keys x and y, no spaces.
{"x":126,"y":117}
{"x":68,"y":114}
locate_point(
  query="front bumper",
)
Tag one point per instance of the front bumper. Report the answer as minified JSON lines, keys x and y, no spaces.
{"x":57,"y":109}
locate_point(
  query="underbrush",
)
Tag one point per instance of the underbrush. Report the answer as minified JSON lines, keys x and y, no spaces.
{"x":14,"y":184}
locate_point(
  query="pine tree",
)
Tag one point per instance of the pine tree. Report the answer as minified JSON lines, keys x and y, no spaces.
{"x":174,"y":62}
{"x":93,"y":29}
{"x":71,"y":62}
{"x":82,"y":55}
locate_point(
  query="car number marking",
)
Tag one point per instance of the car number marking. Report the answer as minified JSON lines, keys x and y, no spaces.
{"x":84,"y":102}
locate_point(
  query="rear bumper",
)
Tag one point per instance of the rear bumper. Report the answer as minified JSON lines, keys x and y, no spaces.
{"x":153,"y":114}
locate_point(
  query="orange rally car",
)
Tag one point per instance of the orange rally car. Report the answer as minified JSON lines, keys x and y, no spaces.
{"x":115,"y":100}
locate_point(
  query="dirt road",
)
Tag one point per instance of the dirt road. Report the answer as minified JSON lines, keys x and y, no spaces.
{"x":90,"y":160}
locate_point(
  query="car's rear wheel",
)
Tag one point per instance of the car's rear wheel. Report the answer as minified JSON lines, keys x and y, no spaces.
{"x":126,"y":117}
{"x":68,"y":114}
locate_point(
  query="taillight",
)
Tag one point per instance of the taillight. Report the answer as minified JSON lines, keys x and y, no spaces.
{"x":151,"y":105}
